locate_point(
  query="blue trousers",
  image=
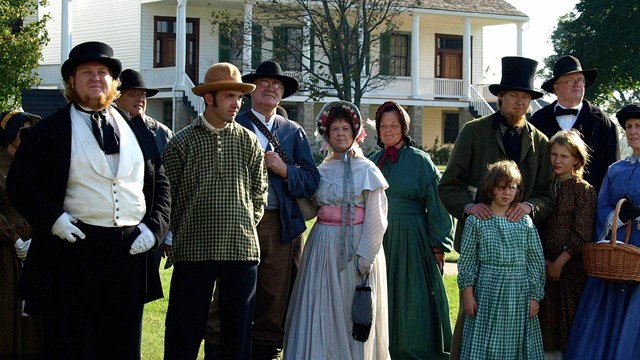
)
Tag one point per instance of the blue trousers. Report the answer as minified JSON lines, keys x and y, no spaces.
{"x":189,"y":300}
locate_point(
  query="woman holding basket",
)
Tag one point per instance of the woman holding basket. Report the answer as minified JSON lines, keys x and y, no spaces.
{"x":607,"y":322}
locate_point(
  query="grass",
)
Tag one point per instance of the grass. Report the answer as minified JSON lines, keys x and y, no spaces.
{"x":155,"y":312}
{"x":153,"y":322}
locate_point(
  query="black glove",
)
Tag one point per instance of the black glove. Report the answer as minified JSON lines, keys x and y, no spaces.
{"x":628,"y":211}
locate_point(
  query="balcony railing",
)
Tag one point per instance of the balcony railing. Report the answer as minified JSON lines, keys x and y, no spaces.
{"x":396,"y":88}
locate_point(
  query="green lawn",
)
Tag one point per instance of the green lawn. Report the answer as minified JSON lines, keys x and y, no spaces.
{"x":155,"y":312}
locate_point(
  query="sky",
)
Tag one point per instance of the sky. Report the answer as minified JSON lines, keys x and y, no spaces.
{"x":543,"y":18}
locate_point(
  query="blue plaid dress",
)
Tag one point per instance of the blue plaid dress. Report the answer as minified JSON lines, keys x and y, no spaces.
{"x":504,"y":263}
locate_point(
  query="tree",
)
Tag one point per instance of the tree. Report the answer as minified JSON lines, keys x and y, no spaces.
{"x":332,"y":44}
{"x":21,"y":44}
{"x":603,"y":35}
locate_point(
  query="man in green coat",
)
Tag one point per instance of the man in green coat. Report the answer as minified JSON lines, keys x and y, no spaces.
{"x":500,"y":136}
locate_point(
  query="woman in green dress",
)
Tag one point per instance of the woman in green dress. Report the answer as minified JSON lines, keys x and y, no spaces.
{"x":418,"y":235}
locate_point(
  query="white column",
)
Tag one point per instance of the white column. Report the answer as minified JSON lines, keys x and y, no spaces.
{"x":65,"y":32}
{"x":466,"y":58}
{"x":519,"y":32}
{"x":306,"y":51}
{"x":248,"y":30}
{"x":415,"y":56}
{"x":181,"y":46}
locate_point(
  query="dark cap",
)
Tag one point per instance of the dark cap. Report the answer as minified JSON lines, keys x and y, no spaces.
{"x":631,"y":111}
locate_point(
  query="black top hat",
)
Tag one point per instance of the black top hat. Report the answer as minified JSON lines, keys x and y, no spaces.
{"x":131,"y":79}
{"x":631,"y":111}
{"x":91,"y":51}
{"x":517,"y":74}
{"x":569,"y":65}
{"x":11,"y":123}
{"x":271,"y":69}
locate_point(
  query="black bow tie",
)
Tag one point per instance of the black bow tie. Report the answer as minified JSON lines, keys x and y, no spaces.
{"x":102,"y":131}
{"x":562,"y":111}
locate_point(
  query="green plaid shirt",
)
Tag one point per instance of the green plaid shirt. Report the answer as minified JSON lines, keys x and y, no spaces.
{"x":218,"y":190}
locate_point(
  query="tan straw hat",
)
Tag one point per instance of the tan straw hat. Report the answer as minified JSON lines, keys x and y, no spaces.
{"x":223,"y":76}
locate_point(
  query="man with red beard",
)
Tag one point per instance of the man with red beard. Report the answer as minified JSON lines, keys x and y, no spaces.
{"x":91,"y":184}
{"x":505,"y":134}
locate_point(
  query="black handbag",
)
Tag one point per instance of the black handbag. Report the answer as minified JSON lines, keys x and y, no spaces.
{"x":362,"y":310}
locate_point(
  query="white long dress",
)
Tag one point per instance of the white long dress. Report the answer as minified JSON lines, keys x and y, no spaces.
{"x":319,"y":316}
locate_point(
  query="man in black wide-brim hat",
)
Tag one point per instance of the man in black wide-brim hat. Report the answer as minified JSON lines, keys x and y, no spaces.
{"x":505,"y":134}
{"x":571,"y":110}
{"x":91,"y":184}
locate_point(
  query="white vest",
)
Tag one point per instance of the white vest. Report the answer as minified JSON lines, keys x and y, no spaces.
{"x":95,"y":195}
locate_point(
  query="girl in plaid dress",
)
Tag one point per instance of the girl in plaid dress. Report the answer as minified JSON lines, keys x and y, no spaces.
{"x":501,"y":275}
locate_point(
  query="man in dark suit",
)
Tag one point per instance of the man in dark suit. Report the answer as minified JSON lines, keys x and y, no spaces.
{"x":571,"y":110}
{"x":91,"y":183}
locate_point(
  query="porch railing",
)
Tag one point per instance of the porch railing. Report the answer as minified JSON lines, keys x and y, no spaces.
{"x":479,"y":103}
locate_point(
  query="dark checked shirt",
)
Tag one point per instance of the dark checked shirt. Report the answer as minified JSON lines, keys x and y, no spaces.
{"x":218,"y":189}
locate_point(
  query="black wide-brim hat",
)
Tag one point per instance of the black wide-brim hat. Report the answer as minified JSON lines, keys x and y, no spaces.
{"x":11,"y":123}
{"x":630,"y":111}
{"x":131,"y":79}
{"x":569,"y":65}
{"x":88,"y":52}
{"x":518,"y":74}
{"x":271,"y":69}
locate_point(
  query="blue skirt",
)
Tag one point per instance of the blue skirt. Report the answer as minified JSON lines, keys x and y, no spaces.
{"x":607,"y":323}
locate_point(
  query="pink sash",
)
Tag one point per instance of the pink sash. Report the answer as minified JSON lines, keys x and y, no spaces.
{"x":332,"y":215}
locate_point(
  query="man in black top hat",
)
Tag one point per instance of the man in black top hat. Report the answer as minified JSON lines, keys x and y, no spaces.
{"x":505,"y":134}
{"x":133,"y":99}
{"x":292,"y":174}
{"x":91,"y":184}
{"x":571,"y":110}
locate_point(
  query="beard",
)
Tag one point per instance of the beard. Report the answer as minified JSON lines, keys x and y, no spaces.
{"x":515,"y":120}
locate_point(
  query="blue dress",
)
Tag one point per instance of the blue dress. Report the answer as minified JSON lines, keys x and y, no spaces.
{"x":607,"y":322}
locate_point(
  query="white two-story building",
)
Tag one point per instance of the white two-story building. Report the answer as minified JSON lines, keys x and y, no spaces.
{"x":437,"y":57}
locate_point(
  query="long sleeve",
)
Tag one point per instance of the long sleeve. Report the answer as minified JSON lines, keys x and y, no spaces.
{"x":535,"y":263}
{"x":542,"y":195}
{"x":174,"y":161}
{"x":375,"y":224}
{"x":584,"y":215}
{"x":259,"y":184}
{"x":454,"y":188}
{"x":468,"y":264}
{"x":440,"y":223}
{"x":303,"y":175}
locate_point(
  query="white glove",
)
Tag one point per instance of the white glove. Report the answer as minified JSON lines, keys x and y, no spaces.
{"x":364,"y":265}
{"x":21,"y":248}
{"x":64,"y":228}
{"x":144,"y":241}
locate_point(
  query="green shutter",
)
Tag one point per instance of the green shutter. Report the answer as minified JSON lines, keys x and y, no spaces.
{"x":224,"y":46}
{"x":256,"y":46}
{"x":278,"y":44}
{"x":385,"y":53}
{"x":409,"y":55}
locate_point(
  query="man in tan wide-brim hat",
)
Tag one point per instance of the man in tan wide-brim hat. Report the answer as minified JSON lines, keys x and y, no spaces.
{"x":219,"y":189}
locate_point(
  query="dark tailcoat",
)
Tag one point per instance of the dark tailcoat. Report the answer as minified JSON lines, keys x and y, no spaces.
{"x":37,"y":183}
{"x":598,"y":132}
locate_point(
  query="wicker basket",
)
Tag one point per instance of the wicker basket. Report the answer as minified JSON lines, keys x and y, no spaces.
{"x":611,"y":261}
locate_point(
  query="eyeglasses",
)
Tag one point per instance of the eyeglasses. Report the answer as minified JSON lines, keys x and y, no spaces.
{"x":509,"y":188}
{"x":264,"y":84}
{"x":135,"y":94}
{"x":572,"y":82}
